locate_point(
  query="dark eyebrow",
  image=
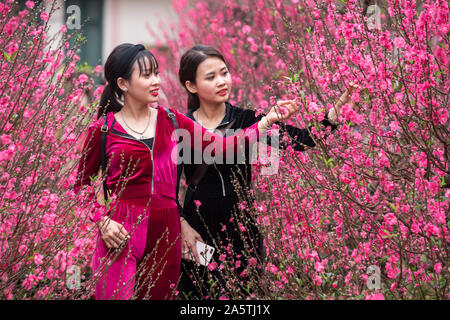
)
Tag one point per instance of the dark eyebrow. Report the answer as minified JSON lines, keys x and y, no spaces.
{"x":150,"y":71}
{"x":212,"y":72}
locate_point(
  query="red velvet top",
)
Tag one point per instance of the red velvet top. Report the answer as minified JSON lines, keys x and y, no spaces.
{"x":135,"y":170}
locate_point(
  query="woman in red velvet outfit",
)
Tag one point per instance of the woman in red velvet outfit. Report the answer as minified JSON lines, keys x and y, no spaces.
{"x":138,"y":252}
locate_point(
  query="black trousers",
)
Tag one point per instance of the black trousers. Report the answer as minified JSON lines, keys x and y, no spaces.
{"x":235,"y":236}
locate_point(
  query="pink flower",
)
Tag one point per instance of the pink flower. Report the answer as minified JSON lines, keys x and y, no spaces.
{"x":443,"y":115}
{"x":393,"y":286}
{"x":246,"y":29}
{"x":318,"y":280}
{"x":44,"y":16}
{"x":83,"y":78}
{"x":392,"y":270}
{"x":374,"y":296}
{"x":399,"y":42}
{"x":5,"y":139}
{"x":197,"y":203}
{"x":272,"y":268}
{"x":98,"y":92}
{"x":38,"y":258}
{"x":23,"y":249}
{"x":394,"y":126}
{"x":438,"y":268}
{"x":29,"y":282}
{"x":212,"y":266}
{"x":253,"y":45}
{"x":29,"y":4}
{"x":316,"y":14}
{"x":319,"y":266}
{"x":50,"y":272}
{"x":441,"y":55}
{"x":98,"y":69}
{"x":415,"y":228}
{"x":390,"y":219}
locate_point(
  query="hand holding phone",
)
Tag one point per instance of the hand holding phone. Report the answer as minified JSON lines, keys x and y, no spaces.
{"x":205,"y":252}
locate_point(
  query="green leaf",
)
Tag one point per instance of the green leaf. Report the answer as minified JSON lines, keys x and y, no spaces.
{"x":14,"y":54}
{"x":300,"y":223}
{"x":394,"y":207}
{"x":328,"y":162}
{"x":108,"y":203}
{"x":94,"y":106}
{"x":388,"y":235}
{"x":7,"y":56}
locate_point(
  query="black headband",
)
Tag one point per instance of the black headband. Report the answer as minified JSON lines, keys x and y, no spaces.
{"x":127,"y":58}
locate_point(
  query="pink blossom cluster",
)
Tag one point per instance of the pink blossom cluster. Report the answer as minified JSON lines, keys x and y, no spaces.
{"x":43,"y":227}
{"x":375,"y":191}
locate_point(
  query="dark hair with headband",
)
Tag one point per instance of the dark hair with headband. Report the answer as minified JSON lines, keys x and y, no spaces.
{"x":120,"y":65}
{"x":189,"y":63}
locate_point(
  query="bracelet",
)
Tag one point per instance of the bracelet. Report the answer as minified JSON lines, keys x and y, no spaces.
{"x":337,"y":116}
{"x":266,"y":126}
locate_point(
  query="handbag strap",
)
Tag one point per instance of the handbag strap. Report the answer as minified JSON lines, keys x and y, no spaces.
{"x":104,"y":130}
{"x":171,"y":115}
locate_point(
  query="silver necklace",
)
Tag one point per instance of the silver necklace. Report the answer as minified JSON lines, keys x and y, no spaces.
{"x":198,"y":120}
{"x":139,"y":133}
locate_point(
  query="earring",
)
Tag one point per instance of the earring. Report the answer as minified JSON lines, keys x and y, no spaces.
{"x":125,"y":89}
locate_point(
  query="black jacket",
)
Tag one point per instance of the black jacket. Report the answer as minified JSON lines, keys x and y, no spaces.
{"x":217,"y":182}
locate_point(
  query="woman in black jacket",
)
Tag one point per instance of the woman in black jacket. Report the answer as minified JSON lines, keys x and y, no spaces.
{"x":211,"y":198}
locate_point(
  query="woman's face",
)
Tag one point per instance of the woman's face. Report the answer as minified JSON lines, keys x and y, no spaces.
{"x":142,"y":87}
{"x":212,"y":82}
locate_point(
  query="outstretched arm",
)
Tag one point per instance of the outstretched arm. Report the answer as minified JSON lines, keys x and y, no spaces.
{"x":199,"y":138}
{"x":345,"y":98}
{"x":301,"y":138}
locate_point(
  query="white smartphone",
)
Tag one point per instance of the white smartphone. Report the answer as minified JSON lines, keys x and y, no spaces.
{"x":205,"y":252}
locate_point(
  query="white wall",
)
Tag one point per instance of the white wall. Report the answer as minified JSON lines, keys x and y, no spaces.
{"x":130,"y":20}
{"x":56,"y":21}
{"x":127,"y":21}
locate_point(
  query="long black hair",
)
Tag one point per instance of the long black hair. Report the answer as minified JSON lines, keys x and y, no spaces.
{"x":120,"y":64}
{"x":189,"y":63}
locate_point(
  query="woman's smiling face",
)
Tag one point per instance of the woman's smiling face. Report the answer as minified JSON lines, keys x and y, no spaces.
{"x":212,"y":82}
{"x":144,"y":86}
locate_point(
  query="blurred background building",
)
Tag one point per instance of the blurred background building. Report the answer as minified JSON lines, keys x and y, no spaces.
{"x":107,"y":23}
